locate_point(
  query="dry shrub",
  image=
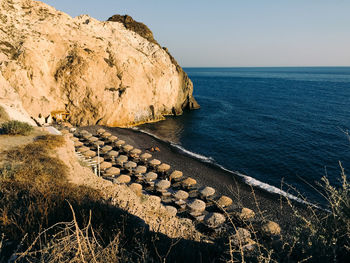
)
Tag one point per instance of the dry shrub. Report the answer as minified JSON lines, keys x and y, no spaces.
{"x":16,"y":128}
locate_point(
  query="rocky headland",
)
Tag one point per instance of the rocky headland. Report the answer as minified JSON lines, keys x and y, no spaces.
{"x":101,"y":72}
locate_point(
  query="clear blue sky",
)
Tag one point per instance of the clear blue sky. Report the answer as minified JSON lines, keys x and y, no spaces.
{"x":237,"y":32}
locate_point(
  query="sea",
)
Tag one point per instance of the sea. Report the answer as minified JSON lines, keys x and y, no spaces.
{"x":280,"y":128}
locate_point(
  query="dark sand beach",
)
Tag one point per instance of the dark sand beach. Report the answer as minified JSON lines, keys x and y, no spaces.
{"x":271,"y":206}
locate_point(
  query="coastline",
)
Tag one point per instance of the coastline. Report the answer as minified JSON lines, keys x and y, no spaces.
{"x":267,"y":205}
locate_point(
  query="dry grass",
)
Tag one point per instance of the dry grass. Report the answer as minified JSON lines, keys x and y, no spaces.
{"x":318,"y":236}
{"x":15,"y":128}
{"x":39,"y":224}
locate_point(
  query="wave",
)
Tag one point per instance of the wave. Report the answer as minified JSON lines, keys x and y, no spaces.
{"x":247,"y":179}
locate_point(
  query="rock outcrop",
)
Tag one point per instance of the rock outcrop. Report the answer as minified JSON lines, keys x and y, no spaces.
{"x":110,"y":73}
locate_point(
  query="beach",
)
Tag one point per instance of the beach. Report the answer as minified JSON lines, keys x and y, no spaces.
{"x":267,"y":206}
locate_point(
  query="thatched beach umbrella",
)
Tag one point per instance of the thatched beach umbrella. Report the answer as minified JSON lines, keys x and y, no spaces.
{"x":86,"y":136}
{"x":127,"y":148}
{"x":214,"y":220}
{"x":119,"y":143}
{"x":92,"y":139}
{"x":82,"y":132}
{"x":100,"y":131}
{"x":122,"y":179}
{"x":74,"y":139}
{"x":112,"y":155}
{"x":113,"y":171}
{"x":135,"y":152}
{"x":78,"y":144}
{"x":145,"y":157}
{"x":105,"y":165}
{"x":151,"y":176}
{"x":188,"y":182}
{"x":106,"y":149}
{"x":181,"y":195}
{"x":112,"y":138}
{"x":105,"y":135}
{"x":176,"y":175}
{"x":89,"y":154}
{"x":140,"y":169}
{"x":130,"y":166}
{"x":162,"y":184}
{"x":163,"y":168}
{"x":196,"y":205}
{"x":207,"y":191}
{"x":122,"y":159}
{"x":153,"y":163}
{"x":224,"y":201}
{"x":98,"y":143}
{"x":83,"y":149}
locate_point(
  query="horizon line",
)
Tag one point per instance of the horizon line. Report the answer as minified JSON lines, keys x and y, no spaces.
{"x":265,"y":66}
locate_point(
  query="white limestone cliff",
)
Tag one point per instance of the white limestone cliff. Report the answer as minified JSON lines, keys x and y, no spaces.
{"x":99,"y":72}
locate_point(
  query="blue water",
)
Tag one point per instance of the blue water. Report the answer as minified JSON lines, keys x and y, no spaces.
{"x":271,"y":124}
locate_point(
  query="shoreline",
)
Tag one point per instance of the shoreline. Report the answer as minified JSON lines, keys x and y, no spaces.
{"x":271,"y":206}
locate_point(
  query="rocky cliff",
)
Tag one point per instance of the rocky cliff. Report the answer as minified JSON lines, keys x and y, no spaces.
{"x":112,"y":73}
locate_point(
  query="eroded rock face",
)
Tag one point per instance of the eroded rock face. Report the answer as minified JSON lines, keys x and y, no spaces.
{"x":99,"y":72}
